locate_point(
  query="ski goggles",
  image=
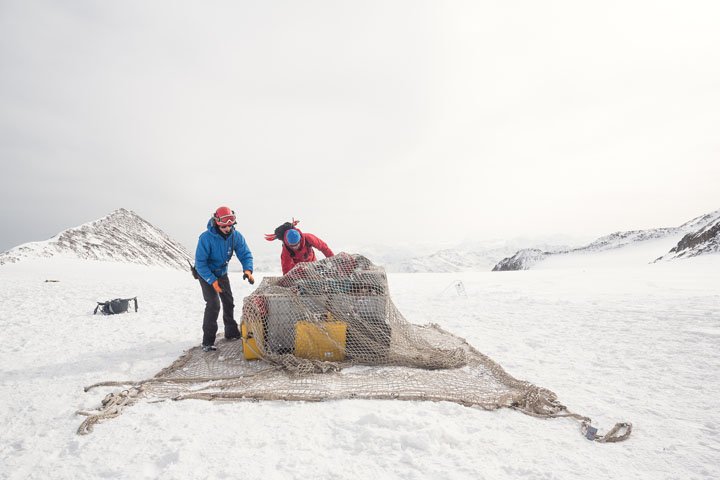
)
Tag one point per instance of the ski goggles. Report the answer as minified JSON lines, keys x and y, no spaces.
{"x":225,"y":221}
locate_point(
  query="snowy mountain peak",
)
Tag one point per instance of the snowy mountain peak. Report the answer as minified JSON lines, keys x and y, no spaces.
{"x":122,"y":236}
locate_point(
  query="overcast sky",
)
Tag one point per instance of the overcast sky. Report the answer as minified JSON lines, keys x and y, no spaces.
{"x":372,"y":121}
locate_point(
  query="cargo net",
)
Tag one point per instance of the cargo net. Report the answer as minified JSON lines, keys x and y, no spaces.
{"x":328,"y":330}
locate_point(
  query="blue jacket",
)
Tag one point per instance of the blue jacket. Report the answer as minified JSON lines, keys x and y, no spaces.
{"x":213,"y":253}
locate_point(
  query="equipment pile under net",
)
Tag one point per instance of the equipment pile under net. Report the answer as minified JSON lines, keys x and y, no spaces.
{"x":329,"y":330}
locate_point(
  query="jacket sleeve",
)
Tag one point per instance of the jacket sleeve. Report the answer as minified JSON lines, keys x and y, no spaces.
{"x":243,"y":252}
{"x":286,"y":261}
{"x":202,"y":253}
{"x":319,"y":244}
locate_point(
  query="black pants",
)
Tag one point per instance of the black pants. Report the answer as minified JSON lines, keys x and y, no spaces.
{"x":212,"y":310}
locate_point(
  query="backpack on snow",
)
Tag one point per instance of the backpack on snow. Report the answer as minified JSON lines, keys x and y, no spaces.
{"x":116,"y":305}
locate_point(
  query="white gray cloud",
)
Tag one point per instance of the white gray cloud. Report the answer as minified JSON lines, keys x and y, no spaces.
{"x":377,"y":121}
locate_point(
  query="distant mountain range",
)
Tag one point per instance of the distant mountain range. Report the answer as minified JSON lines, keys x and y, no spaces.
{"x":121,"y":236}
{"x":448,"y":260}
{"x":478,"y":256}
{"x":699,"y":236}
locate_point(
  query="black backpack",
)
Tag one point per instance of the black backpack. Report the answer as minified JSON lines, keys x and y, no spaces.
{"x":193,"y":271}
{"x":116,"y":305}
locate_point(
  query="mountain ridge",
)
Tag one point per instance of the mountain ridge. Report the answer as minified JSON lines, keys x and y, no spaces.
{"x":703,"y":241}
{"x":694,"y":237}
{"x":124,"y":236}
{"x":121,"y":236}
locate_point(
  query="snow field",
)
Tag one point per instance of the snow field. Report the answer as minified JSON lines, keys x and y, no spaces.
{"x":637,"y":344}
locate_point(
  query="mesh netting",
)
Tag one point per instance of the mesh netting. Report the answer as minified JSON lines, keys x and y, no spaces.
{"x":328,"y":330}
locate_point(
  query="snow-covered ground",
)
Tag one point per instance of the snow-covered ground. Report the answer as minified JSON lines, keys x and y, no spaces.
{"x":629,"y":342}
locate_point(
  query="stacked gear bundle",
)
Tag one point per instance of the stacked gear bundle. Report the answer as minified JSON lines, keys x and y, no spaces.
{"x":336,"y":310}
{"x":301,"y":332}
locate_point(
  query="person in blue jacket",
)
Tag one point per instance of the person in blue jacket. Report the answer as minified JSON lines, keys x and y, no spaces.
{"x":214,"y":250}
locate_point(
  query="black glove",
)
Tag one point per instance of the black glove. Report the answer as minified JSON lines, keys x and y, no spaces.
{"x":247,"y":275}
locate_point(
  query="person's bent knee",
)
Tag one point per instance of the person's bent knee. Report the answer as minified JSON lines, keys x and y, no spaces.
{"x":212,"y":305}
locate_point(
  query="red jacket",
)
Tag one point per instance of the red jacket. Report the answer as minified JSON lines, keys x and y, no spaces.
{"x":289,"y":257}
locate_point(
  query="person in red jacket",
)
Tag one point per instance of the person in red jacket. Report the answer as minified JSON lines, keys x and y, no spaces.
{"x":298,"y":247}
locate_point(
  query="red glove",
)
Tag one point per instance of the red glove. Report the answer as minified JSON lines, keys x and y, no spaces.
{"x":247,"y":275}
{"x":216,"y":286}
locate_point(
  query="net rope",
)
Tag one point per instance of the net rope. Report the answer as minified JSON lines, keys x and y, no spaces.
{"x":328,"y":330}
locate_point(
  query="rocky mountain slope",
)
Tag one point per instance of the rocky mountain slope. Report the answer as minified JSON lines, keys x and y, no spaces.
{"x":522,"y":260}
{"x":122,"y":236}
{"x":697,"y":236}
{"x":703,"y":241}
